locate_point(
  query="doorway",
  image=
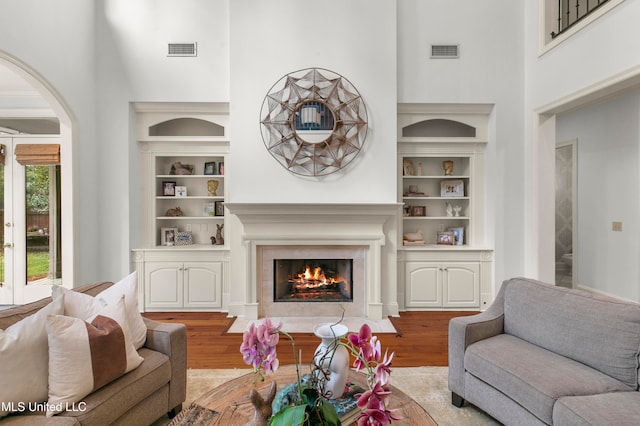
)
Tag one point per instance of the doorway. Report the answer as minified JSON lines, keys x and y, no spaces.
{"x":566,"y":213}
{"x":30,"y":193}
{"x":39,"y":111}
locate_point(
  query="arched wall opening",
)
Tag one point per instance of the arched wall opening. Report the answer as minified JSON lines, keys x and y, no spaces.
{"x":67,"y":148}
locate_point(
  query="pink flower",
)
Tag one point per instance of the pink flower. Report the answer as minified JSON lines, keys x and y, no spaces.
{"x":376,"y":414}
{"x":379,"y":393}
{"x":383,"y":370}
{"x":258,"y":346}
{"x":361,"y":342}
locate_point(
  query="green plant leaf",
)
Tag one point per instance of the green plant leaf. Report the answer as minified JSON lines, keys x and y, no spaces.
{"x":329,"y":414}
{"x":290,"y":416}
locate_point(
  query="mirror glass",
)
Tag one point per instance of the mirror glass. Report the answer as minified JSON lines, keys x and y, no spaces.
{"x":313,"y":121}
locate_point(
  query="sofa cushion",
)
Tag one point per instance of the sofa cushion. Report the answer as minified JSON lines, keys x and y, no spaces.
{"x":532,"y":376}
{"x":24,"y":360}
{"x":108,"y":403}
{"x":618,"y":408}
{"x":603,"y":333}
{"x":84,"y":306}
{"x":128,"y":287}
{"x":84,"y":356}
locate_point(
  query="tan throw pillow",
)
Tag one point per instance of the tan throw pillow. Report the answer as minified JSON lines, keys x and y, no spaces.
{"x":24,"y":360}
{"x":83,"y":306}
{"x":86,"y":355}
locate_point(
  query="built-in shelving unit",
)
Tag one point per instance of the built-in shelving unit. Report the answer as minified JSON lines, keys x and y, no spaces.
{"x":443,"y":261}
{"x":183,"y":261}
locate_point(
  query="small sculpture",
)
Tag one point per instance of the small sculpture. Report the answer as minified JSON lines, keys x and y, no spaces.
{"x":457,"y":210}
{"x":262,"y":406}
{"x":449,"y":210}
{"x":219,"y":238}
{"x":213,"y":240}
{"x":212,"y":187}
{"x":413,"y":236}
{"x":179,"y":169}
{"x":447,"y":165}
{"x":174,"y":212}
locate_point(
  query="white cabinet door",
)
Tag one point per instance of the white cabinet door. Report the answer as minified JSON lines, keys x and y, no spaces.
{"x":424,"y":286}
{"x":461,"y":285}
{"x":202,"y":284}
{"x":164,"y":284}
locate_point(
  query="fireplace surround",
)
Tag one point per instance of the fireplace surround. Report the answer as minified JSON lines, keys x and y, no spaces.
{"x":366,"y":233}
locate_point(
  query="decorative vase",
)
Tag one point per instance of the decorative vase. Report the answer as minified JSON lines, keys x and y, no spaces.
{"x":447,"y":166}
{"x":332,"y":358}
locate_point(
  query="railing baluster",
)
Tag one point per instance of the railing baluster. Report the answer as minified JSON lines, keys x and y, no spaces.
{"x":564,"y":9}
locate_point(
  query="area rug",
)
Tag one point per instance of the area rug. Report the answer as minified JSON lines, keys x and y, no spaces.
{"x":427,"y":385}
{"x":307,"y":324}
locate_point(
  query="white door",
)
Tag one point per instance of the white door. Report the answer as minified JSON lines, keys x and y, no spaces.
{"x":31,"y":261}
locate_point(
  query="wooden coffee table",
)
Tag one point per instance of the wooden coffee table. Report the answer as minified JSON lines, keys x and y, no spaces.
{"x":229,"y":404}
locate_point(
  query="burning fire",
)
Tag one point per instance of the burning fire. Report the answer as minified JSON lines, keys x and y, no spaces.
{"x":313,"y":278}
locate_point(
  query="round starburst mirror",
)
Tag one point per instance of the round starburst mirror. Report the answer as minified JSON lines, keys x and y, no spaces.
{"x":313,"y":122}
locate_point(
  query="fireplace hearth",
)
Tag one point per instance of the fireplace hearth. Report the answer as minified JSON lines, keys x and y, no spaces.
{"x":313,"y":280}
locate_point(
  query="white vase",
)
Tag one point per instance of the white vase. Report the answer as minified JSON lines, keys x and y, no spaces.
{"x":332,"y":358}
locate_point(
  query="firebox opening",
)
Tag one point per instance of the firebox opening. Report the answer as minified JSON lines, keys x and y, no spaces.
{"x":312,"y":280}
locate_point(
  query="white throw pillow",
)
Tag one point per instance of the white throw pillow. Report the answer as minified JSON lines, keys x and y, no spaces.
{"x":86,"y":355}
{"x":24,"y":360}
{"x":76,"y":304}
{"x":128,"y":286}
{"x":83,"y":306}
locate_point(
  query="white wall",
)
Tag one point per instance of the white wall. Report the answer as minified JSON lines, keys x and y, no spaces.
{"x":56,"y":40}
{"x":490,"y":70}
{"x":132,"y":66}
{"x":601,"y":52}
{"x":356,"y":39}
{"x":608,"y":190}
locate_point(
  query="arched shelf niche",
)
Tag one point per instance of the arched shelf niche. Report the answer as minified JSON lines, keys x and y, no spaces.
{"x":439,"y":128}
{"x":186,"y":126}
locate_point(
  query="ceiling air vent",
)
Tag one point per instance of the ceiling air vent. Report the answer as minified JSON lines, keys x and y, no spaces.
{"x":445,"y":51}
{"x":182,"y":49}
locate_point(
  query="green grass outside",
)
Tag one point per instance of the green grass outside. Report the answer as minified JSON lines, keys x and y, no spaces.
{"x":37,"y":265}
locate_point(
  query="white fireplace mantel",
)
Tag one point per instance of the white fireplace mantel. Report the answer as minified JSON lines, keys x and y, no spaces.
{"x":371,"y":226}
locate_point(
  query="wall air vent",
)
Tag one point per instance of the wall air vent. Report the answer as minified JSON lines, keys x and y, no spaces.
{"x":182,"y":49}
{"x":445,"y":51}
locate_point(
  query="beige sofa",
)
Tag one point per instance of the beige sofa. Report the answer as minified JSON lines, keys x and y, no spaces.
{"x":154,"y":389}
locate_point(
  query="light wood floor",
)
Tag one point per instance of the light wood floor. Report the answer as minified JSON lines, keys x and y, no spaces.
{"x":420,"y":340}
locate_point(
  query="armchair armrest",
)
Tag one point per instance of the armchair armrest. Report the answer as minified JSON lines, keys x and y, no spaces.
{"x":171,"y":340}
{"x":464,"y":331}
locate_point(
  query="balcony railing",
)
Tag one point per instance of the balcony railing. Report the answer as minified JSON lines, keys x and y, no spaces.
{"x":570,"y":12}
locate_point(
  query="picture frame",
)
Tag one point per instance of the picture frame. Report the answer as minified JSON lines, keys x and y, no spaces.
{"x":459,"y":234}
{"x":418,"y":211}
{"x":209,"y":209}
{"x":168,"y":188}
{"x":181,"y":191}
{"x":184,"y":238}
{"x":452,"y":188}
{"x":219,"y":208}
{"x":168,"y":236}
{"x":210,"y":168}
{"x":446,"y":238}
{"x":221,"y":167}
